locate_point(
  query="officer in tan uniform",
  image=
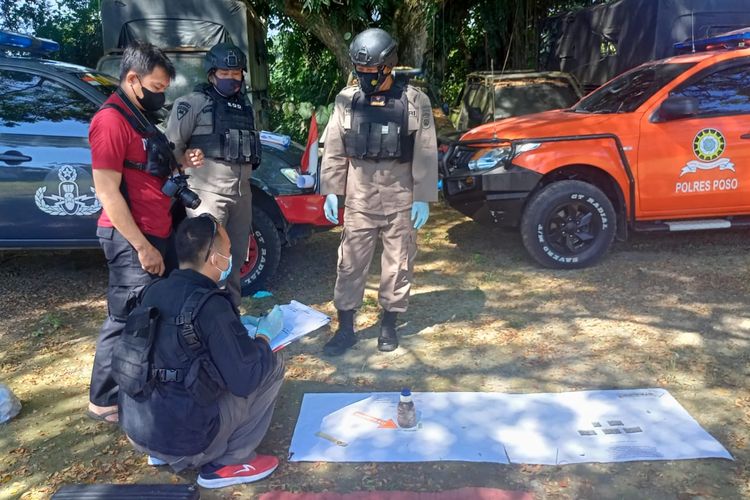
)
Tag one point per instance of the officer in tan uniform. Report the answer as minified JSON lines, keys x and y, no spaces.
{"x":217,"y":118}
{"x":381,"y":156}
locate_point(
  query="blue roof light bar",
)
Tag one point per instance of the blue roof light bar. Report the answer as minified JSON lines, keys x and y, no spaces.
{"x":733,"y":40}
{"x":27,"y":43}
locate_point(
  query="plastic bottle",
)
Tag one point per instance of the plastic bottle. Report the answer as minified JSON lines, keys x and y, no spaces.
{"x":406,"y":413}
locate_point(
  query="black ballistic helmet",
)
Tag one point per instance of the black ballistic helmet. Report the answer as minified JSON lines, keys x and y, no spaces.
{"x":374,"y":47}
{"x":225,"y":55}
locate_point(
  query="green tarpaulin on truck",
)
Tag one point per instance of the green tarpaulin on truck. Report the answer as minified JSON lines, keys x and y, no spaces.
{"x":600,"y":42}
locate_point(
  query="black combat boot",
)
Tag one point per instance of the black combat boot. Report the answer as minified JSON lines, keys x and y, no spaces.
{"x":388,"y":339}
{"x":344,"y":337}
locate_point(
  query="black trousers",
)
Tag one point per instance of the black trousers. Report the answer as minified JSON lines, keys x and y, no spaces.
{"x":126,"y":281}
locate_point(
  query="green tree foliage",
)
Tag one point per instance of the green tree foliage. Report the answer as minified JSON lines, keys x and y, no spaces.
{"x":334,"y":22}
{"x":309,"y":43}
{"x":485,"y":35}
{"x":304,"y":76}
{"x":75,"y":24}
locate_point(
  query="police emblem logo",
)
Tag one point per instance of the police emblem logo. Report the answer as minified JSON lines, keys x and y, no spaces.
{"x":426,"y":119}
{"x":68,"y":200}
{"x":182,"y":109}
{"x":377,"y":100}
{"x":708,"y":144}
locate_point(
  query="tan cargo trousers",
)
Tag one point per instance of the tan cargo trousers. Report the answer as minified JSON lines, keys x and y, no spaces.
{"x":235,"y":213}
{"x":358,"y":240}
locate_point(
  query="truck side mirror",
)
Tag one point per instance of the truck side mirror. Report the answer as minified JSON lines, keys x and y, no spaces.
{"x":677,"y":106}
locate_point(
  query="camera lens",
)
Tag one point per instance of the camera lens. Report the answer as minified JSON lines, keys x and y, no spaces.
{"x":189,"y":199}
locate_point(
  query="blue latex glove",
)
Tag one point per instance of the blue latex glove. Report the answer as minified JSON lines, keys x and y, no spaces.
{"x":271,"y":324}
{"x":420,"y":212}
{"x":331,"y":208}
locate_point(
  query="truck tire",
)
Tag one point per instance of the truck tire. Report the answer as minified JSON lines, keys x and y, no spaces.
{"x":264,"y":253}
{"x":568,"y":225}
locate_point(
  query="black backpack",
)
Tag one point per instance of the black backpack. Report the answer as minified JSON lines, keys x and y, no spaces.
{"x":132,"y":357}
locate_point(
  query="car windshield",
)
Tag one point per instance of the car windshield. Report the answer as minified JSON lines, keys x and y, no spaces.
{"x":521,"y":98}
{"x":101,"y":82}
{"x":628,"y":91}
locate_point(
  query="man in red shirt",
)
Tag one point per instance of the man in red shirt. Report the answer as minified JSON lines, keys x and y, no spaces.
{"x":135,"y":223}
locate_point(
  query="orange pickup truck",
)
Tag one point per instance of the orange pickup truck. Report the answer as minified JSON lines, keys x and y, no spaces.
{"x":662,"y":147}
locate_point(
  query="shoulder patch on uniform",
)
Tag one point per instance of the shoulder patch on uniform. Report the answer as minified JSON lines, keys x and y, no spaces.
{"x":426,"y":113}
{"x":182,"y":109}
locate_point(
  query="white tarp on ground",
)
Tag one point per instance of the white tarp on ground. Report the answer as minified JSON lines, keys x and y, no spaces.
{"x":550,"y":429}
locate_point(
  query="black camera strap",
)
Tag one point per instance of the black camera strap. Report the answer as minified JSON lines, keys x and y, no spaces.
{"x":137,"y":120}
{"x":137,"y":126}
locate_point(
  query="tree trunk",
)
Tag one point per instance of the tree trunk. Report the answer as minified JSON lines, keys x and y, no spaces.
{"x":410,"y":29}
{"x":325,"y":31}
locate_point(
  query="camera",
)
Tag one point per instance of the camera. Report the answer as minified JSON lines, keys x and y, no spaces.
{"x":177,"y":187}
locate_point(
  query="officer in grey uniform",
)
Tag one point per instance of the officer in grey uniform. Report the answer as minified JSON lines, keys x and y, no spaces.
{"x":381,"y":155}
{"x":217,"y":118}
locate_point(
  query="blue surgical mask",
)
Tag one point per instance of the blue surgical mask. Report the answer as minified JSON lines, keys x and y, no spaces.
{"x":225,"y":273}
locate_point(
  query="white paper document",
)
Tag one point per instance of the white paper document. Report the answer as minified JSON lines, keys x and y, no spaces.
{"x":552,"y":429}
{"x":299,"y":320}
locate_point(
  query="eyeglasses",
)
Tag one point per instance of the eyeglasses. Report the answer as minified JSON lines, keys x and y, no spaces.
{"x":214,"y":229}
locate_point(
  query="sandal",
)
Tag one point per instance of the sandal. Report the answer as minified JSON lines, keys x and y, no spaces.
{"x":102,"y":417}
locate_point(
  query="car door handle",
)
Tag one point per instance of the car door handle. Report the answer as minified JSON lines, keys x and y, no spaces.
{"x":14,"y":157}
{"x":745,"y":136}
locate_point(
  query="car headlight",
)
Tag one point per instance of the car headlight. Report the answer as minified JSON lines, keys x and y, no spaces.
{"x":526,"y":147}
{"x":490,"y":158}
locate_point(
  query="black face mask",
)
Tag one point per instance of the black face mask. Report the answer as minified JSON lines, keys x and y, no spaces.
{"x":227,"y":86}
{"x":370,"y":82}
{"x":151,"y":101}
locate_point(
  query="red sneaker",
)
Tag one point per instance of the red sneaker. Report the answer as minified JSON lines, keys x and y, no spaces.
{"x":260,"y":467}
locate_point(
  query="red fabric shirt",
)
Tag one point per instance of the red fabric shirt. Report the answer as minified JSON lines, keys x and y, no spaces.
{"x":113,"y":141}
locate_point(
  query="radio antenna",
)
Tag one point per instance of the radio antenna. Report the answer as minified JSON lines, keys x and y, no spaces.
{"x":692,"y":29}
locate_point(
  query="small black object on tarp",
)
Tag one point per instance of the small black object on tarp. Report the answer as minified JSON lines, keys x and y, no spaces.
{"x":127,"y":491}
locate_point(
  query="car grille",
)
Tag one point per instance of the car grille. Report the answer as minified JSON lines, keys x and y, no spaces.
{"x":459,"y":159}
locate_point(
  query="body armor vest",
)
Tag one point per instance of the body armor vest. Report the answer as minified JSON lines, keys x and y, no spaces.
{"x":233,"y":137}
{"x":380,"y":127}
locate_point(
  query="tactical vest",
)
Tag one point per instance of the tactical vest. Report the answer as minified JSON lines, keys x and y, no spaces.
{"x":139,"y":365}
{"x":233,"y":137}
{"x":379,"y":127}
{"x":160,"y":159}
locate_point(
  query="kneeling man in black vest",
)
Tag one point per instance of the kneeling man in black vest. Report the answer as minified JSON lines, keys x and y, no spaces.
{"x":195,"y":390}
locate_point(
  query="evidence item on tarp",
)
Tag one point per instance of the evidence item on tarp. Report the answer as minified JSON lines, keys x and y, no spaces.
{"x":379,"y":128}
{"x":406,"y":413}
{"x":233,"y":137}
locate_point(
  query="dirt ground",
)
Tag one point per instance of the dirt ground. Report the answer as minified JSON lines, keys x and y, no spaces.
{"x":666,"y":311}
